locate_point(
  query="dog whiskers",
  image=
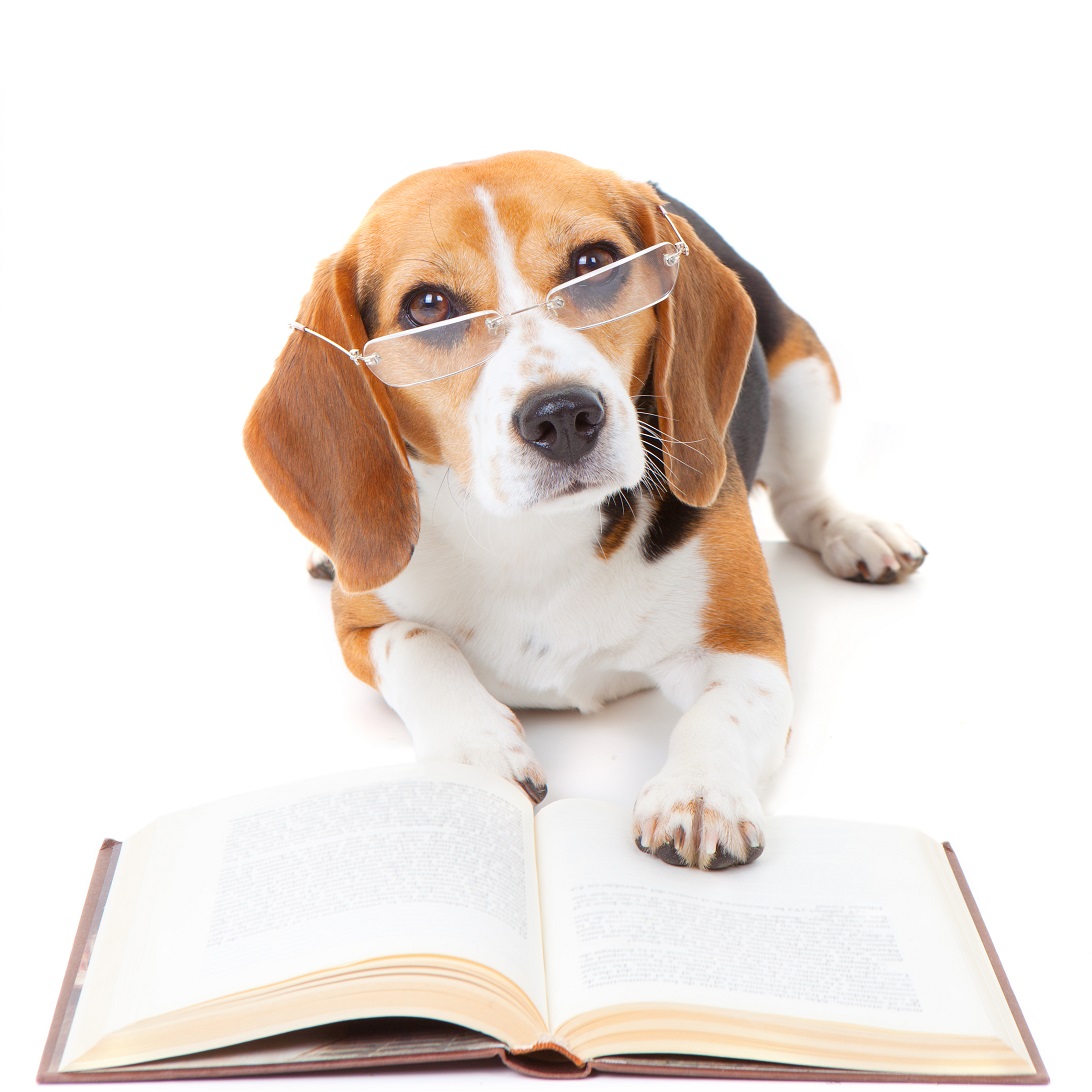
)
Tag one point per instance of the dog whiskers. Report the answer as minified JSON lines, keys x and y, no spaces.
{"x":654,"y":471}
{"x":458,"y":495}
{"x":650,"y":429}
{"x":655,"y":477}
{"x":436,"y":499}
{"x":683,"y":462}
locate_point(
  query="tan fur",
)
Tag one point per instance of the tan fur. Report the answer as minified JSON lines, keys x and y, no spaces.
{"x":800,"y":341}
{"x":356,"y":617}
{"x":741,"y":613}
{"x":618,"y":533}
{"x":323,"y":438}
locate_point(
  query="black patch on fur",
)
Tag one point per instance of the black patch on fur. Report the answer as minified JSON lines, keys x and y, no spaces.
{"x":673,"y":522}
{"x":617,"y":518}
{"x":772,"y":314}
{"x":751,"y":417}
{"x":613,"y":509}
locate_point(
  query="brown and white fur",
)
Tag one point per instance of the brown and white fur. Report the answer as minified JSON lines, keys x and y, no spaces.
{"x":474,"y":575}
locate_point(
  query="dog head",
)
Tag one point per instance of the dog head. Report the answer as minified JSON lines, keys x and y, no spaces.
{"x":551,"y":419}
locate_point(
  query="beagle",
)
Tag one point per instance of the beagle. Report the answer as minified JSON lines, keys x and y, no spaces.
{"x":519,"y":416}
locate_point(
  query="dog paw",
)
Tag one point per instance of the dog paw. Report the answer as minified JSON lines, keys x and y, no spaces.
{"x":700,"y":825}
{"x":319,"y":565}
{"x":869,"y":551}
{"x":497,"y":743}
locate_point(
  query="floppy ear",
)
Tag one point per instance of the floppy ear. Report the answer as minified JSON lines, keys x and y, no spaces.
{"x":323,"y":438}
{"x":707,"y":326}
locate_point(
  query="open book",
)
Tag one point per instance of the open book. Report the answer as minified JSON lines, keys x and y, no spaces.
{"x":286,"y":930}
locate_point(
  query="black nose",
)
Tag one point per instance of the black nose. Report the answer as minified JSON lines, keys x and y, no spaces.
{"x":562,"y":424}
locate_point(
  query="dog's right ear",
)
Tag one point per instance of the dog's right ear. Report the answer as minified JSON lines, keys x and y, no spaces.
{"x":324,"y":439}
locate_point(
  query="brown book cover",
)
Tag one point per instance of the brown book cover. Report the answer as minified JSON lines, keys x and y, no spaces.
{"x":394,"y":1041}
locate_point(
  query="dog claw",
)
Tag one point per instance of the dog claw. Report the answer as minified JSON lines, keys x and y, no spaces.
{"x":534,"y":790}
{"x":721,"y":858}
{"x":867,"y":551}
{"x":913,"y":562}
{"x":864,"y":575}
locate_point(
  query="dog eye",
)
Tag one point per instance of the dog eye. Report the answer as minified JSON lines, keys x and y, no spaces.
{"x":589,"y":259}
{"x":428,"y":305}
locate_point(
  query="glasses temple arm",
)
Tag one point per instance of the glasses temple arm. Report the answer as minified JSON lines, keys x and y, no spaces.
{"x":355,"y":355}
{"x":680,"y":246}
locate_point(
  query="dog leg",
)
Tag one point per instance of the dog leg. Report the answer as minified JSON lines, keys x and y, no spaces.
{"x":803,"y":397}
{"x":426,"y":680}
{"x":702,"y":809}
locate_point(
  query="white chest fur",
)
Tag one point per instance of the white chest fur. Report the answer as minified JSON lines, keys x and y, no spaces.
{"x":543,"y":619}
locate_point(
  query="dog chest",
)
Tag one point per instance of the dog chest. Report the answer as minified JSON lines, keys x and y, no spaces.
{"x":542,"y":617}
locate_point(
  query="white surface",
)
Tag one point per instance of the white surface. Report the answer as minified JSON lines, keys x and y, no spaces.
{"x":913,"y":182}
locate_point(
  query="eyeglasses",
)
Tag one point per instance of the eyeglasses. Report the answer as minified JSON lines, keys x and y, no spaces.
{"x":442,"y":349}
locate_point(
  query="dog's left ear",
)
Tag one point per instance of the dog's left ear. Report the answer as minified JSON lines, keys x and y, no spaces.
{"x":707,"y":326}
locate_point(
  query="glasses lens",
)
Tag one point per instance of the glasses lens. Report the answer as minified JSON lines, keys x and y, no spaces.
{"x":433,"y":352}
{"x":619,"y":289}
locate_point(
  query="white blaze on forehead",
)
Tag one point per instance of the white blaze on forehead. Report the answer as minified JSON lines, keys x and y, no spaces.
{"x":512,"y":292}
{"x":536,"y":353}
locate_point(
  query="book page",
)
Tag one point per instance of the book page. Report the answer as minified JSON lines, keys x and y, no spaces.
{"x":287,"y":882}
{"x":836,"y":921}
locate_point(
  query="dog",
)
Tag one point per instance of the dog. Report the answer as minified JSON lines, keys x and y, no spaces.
{"x":519,"y":417}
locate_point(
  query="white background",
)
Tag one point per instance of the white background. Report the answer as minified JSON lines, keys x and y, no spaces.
{"x":912,"y":177}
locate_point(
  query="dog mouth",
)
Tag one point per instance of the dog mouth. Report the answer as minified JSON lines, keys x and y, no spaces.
{"x":577,"y":487}
{"x":563,"y":448}
{"x":573,"y":488}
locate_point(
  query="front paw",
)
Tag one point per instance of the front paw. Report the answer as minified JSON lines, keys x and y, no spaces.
{"x":495,"y":742}
{"x":684,"y":821}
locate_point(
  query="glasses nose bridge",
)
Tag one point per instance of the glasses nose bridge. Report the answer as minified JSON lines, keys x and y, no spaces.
{"x":501,"y":324}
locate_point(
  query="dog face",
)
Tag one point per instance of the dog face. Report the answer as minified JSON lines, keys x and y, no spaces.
{"x":551,"y":419}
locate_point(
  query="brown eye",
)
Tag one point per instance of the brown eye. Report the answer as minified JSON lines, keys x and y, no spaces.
{"x":591,"y":258}
{"x":428,"y":305}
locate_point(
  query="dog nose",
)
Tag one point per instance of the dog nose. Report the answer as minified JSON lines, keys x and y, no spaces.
{"x":563,"y":424}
